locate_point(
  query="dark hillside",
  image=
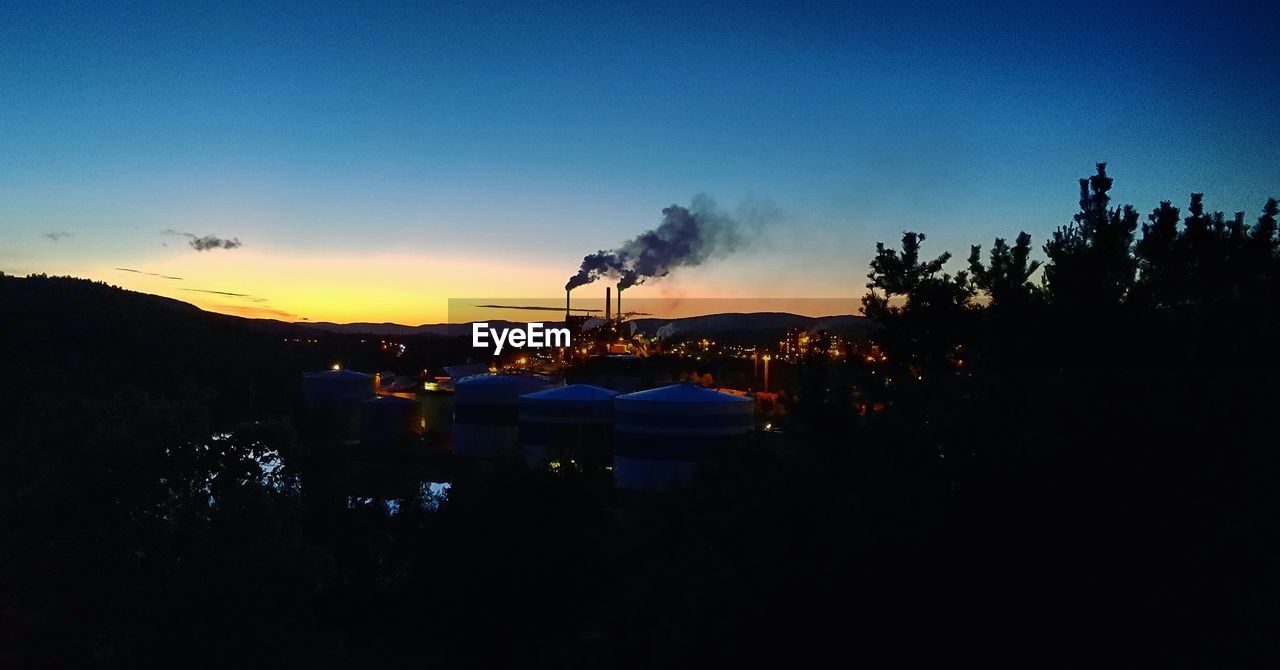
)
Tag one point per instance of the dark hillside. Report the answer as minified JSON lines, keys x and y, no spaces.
{"x":73,"y":336}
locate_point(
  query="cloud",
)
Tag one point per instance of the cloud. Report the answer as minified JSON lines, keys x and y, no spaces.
{"x":58,"y":235}
{"x":149,"y":273}
{"x":207,"y":242}
{"x":254,"y":312}
{"x":537,"y":308}
{"x":226,"y":293}
{"x":229,"y":294}
{"x":257,"y":310}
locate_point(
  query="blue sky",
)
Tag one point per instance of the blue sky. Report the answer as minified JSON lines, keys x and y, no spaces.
{"x":376,"y":141}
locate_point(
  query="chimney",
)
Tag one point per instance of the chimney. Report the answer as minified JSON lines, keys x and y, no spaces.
{"x":566,"y":306}
{"x":619,"y":304}
{"x":608,"y":299}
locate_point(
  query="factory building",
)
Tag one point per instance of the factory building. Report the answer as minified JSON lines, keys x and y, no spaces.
{"x":662,"y":434}
{"x":567,"y":424}
{"x":596,"y":335}
{"x":485,"y":409}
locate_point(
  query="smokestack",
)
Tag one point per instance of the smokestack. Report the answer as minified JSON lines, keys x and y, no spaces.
{"x":619,"y":304}
{"x":566,"y":306}
{"x":608,"y":298}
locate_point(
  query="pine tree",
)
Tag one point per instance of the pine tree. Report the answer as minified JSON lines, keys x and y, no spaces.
{"x":1006,"y":279}
{"x":1090,"y":260}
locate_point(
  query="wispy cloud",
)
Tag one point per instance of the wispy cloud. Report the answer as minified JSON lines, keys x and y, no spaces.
{"x":538,"y":308}
{"x":258,"y":309}
{"x":206,"y":242}
{"x":152,"y":274}
{"x":226,"y":293}
{"x":229,"y":294}
{"x":58,"y":235}
{"x":253,"y":312}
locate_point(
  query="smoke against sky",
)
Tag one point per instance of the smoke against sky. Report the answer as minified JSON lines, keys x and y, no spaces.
{"x":687,"y":237}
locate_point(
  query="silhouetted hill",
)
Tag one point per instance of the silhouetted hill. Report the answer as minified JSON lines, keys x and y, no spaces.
{"x":385,"y":328}
{"x":400,"y":330}
{"x":768,"y":324}
{"x":61,"y":333}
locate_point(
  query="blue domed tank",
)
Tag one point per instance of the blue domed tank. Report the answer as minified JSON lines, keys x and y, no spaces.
{"x":333,"y":399}
{"x":485,"y":423}
{"x":662,"y":434}
{"x":568,"y":423}
{"x":388,"y":420}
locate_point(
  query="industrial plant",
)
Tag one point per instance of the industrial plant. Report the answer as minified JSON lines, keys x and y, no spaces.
{"x":640,"y":403}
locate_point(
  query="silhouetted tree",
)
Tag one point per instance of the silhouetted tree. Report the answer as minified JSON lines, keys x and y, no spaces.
{"x":921,"y":308}
{"x":1007,"y":277}
{"x":1210,"y":262}
{"x":1159,"y":278}
{"x":1260,"y":261}
{"x":1090,"y":260}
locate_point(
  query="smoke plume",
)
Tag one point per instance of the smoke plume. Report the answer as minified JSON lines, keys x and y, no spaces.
{"x":687,"y":237}
{"x":207,"y":242}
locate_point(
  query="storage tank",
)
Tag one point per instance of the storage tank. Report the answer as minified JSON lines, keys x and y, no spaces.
{"x":333,"y":399}
{"x":388,"y":420}
{"x":624,"y":373}
{"x":568,"y":423}
{"x":485,"y":423}
{"x":660,"y":435}
{"x":437,"y":410}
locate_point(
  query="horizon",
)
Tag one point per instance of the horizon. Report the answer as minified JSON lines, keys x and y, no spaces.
{"x":473,"y":310}
{"x":367,"y":165}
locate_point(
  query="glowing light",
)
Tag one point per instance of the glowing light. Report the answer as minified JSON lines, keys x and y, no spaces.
{"x":337,"y":366}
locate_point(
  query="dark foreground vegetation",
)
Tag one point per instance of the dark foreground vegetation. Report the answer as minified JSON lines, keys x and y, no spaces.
{"x":1071,"y":470}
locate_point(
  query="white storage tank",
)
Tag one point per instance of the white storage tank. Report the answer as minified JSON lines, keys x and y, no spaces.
{"x":660,"y":435}
{"x":388,"y":420}
{"x":485,"y":423}
{"x":333,"y":399}
{"x":568,"y":423}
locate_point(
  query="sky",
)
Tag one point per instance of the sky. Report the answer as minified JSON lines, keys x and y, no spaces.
{"x":374,"y":160}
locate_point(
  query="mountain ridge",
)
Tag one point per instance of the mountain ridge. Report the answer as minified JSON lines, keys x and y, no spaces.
{"x":711,"y":324}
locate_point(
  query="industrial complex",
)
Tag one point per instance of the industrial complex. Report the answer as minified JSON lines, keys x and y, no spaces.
{"x":645,"y":408}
